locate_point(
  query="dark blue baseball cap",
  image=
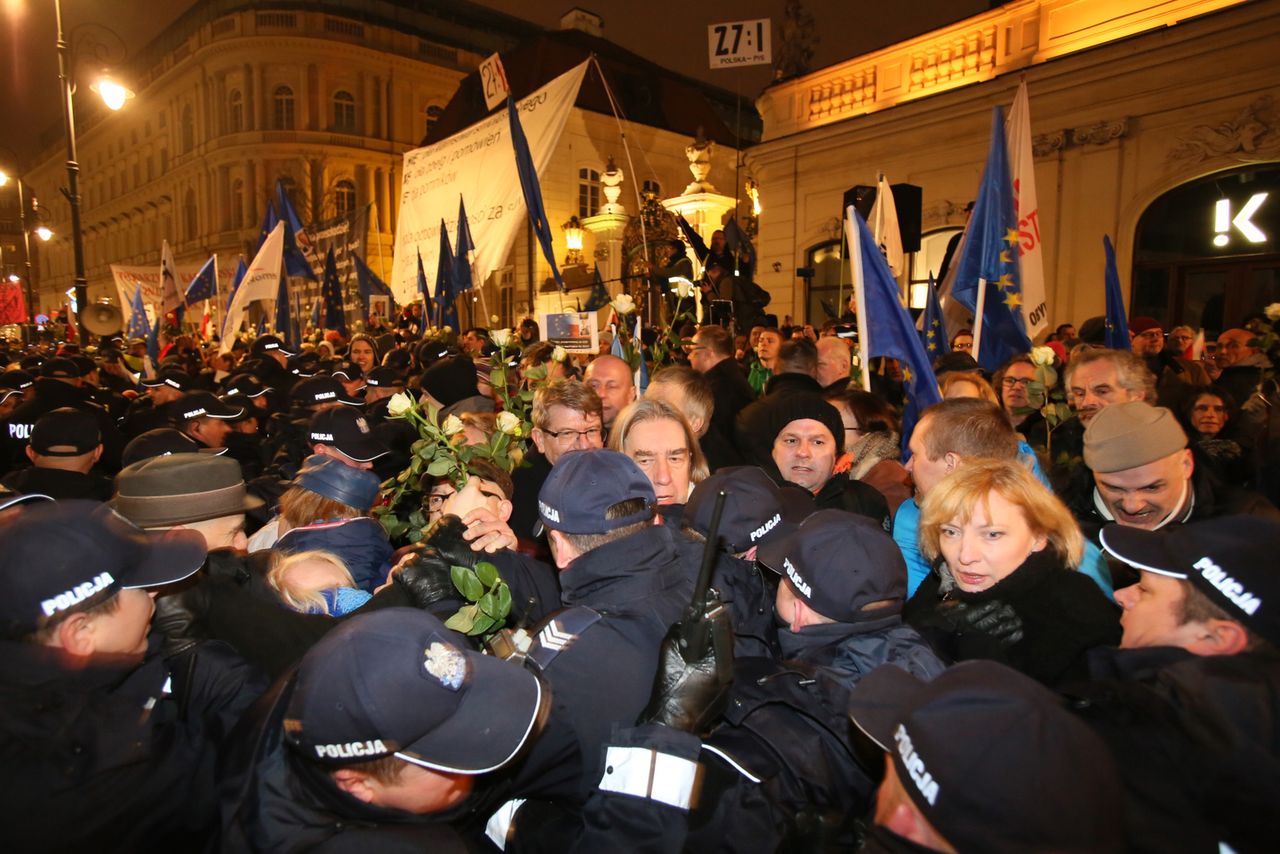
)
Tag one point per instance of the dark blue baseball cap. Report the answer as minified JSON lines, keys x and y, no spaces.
{"x":754,"y":512}
{"x":396,"y":682}
{"x":839,"y":562}
{"x":338,"y":481}
{"x":583,"y":485}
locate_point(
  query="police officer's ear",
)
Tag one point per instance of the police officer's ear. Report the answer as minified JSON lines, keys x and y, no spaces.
{"x":75,"y":635}
{"x":357,"y":784}
{"x":97,"y":454}
{"x":31,"y":454}
{"x":1219,"y":637}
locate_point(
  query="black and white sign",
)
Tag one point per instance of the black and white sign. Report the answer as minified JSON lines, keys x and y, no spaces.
{"x":740,"y":43}
{"x":493,"y":80}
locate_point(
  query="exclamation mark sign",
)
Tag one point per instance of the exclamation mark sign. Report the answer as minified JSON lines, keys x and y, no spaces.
{"x":1221,"y":221}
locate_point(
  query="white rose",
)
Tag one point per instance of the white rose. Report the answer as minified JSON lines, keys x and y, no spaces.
{"x":509,"y":423}
{"x":558,"y":354}
{"x":682,"y":287}
{"x":452,"y":426}
{"x":1042,"y":355}
{"x":500,"y":337}
{"x":400,"y":404}
{"x":623,"y":304}
{"x":1273,"y":311}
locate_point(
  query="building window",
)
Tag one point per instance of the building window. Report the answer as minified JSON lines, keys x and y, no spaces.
{"x":928,"y":262}
{"x":344,"y":111}
{"x":237,"y":204}
{"x":291,"y":191}
{"x":151,"y":167}
{"x":164,"y":161}
{"x":160,"y":119}
{"x":344,"y":197}
{"x":190,"y":216}
{"x":188,"y":130}
{"x":283,"y":100}
{"x":235,"y":112}
{"x":588,"y":192}
{"x":137,"y":175}
{"x":651,"y":186}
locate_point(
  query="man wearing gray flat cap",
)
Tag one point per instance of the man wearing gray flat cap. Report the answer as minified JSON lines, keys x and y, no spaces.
{"x":197,"y":491}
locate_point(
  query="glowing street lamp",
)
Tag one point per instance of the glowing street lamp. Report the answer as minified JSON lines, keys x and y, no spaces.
{"x":44,"y":233}
{"x":113,"y":94}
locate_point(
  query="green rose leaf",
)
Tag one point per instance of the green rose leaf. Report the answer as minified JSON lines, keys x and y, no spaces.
{"x":536,"y":374}
{"x":498,"y":378}
{"x":463,"y":621}
{"x":415,"y":535}
{"x":504,"y":599}
{"x":467,"y":583}
{"x":487,"y":573}
{"x":440,"y":467}
{"x":482,"y":625}
{"x":488,"y":605}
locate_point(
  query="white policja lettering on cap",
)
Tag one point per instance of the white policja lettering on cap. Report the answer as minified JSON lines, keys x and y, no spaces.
{"x":766,"y":527}
{"x":174,"y":384}
{"x":193,"y":413}
{"x":799,"y":582}
{"x":326,"y":395}
{"x":82,"y":591}
{"x":322,"y":437}
{"x":924,"y":781}
{"x":352,"y":749}
{"x":1228,"y":586}
{"x":552,"y":514}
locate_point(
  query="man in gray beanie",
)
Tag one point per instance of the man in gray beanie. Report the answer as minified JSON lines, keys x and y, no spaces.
{"x":1145,"y":476}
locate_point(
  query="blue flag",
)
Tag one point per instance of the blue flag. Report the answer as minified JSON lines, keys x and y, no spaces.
{"x":236,"y":279}
{"x":532,"y":191}
{"x":1117,"y":326}
{"x":369,"y":283}
{"x":335,"y":317}
{"x":990,"y":255}
{"x":205,"y":285}
{"x":139,"y":326}
{"x":444,"y":282}
{"x":424,"y":294}
{"x":461,"y":263}
{"x":934,"y":331}
{"x":283,"y":325}
{"x":599,"y":296}
{"x":315,"y":314}
{"x":616,"y":347}
{"x":295,"y":263}
{"x":890,"y":330}
{"x":269,"y":220}
{"x":642,"y":372}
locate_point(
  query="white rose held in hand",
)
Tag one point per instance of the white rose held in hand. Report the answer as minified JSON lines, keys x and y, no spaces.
{"x":452,"y":426}
{"x":1272,"y":311}
{"x":623,"y":304}
{"x":399,"y":404}
{"x":558,"y":354}
{"x":682,"y":287}
{"x":500,"y":337}
{"x":509,"y":423}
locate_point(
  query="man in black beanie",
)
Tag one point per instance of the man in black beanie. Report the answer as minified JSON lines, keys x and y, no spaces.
{"x":807,"y":438}
{"x":450,"y":385}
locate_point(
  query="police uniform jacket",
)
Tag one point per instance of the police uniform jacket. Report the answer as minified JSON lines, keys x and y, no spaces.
{"x":115,"y":758}
{"x":1195,"y":739}
{"x":54,"y":394}
{"x":603,"y":674}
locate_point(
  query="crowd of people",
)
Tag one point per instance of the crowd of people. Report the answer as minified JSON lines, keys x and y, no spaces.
{"x":249,"y":606}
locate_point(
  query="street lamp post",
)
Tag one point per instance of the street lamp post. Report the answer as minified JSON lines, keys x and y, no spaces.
{"x":72,"y":191}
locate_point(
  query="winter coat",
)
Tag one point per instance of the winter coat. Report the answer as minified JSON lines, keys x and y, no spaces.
{"x":361,"y":543}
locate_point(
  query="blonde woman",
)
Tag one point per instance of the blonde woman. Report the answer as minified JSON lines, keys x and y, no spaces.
{"x":315,"y":582}
{"x":657,"y":437}
{"x":1004,"y":584}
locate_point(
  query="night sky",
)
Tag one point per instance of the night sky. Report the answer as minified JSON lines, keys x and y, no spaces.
{"x":670,"y":32}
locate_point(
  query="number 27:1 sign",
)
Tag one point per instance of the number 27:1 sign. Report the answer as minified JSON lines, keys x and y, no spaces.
{"x":739,"y":43}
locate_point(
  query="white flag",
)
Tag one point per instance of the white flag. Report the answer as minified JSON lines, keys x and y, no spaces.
{"x":884,"y":226}
{"x":171,"y":296}
{"x":1017,"y":132}
{"x":261,"y":282}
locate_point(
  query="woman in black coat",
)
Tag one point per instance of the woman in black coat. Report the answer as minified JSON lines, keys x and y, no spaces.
{"x":1004,"y":585}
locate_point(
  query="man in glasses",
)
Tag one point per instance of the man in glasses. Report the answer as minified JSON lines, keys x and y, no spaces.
{"x":567,"y":416}
{"x":1011,"y":384}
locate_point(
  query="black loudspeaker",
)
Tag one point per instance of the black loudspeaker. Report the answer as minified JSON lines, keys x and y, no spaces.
{"x":907,"y":199}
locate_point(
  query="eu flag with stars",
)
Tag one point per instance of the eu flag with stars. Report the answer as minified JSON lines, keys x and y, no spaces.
{"x":1116,"y":335}
{"x":934,"y":331}
{"x":295,"y":263}
{"x":599,"y":296}
{"x":369,"y":283}
{"x":462,"y":263}
{"x":532,"y":191}
{"x":890,"y":330}
{"x":423,"y":294}
{"x":990,"y":256}
{"x":444,"y":282}
{"x":334,"y":315}
{"x":139,"y":326}
{"x":205,"y":284}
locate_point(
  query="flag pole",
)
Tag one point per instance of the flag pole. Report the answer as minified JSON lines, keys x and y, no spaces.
{"x":979,"y":314}
{"x":859,"y":295}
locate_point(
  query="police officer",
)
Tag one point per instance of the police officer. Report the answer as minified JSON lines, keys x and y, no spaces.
{"x":58,"y":385}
